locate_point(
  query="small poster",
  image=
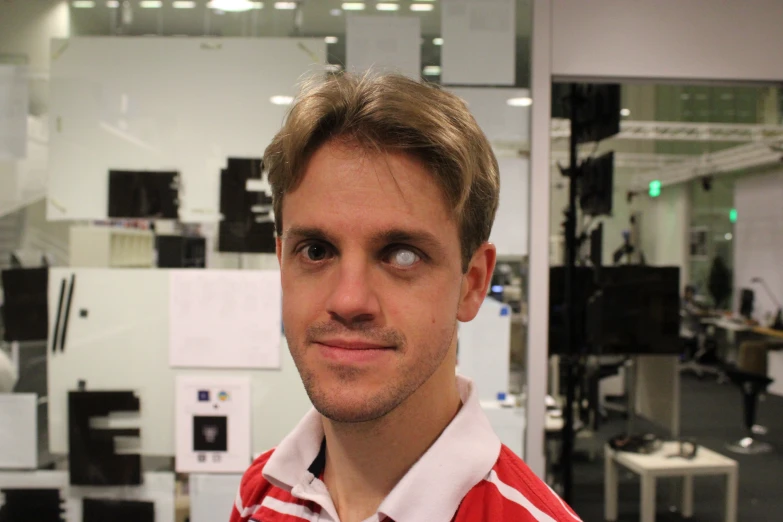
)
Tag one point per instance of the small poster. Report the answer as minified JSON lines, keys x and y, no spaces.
{"x":213,"y":424}
{"x":699,"y":243}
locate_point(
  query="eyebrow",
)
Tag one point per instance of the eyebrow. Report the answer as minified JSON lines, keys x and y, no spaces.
{"x":388,"y":236}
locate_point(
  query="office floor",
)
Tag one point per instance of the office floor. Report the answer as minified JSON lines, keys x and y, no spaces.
{"x":712,"y":414}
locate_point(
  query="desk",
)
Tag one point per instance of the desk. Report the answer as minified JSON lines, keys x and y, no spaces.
{"x":650,"y":467}
{"x":768,"y":332}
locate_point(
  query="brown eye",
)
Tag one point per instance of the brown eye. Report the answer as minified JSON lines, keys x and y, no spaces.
{"x":316,"y":252}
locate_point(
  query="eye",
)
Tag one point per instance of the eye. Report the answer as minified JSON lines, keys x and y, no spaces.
{"x":316,"y":252}
{"x":404,"y":257}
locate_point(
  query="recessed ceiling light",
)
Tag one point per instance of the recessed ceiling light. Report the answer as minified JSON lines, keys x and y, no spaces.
{"x":625,"y":112}
{"x":331,"y":39}
{"x":422,"y":7}
{"x":728,"y":236}
{"x":336,"y":12}
{"x":151,"y":4}
{"x":285,"y":5}
{"x":437,"y":41}
{"x":520,"y":102}
{"x":282,"y":100}
{"x":387,"y":6}
{"x":113,"y":4}
{"x":83,"y":4}
{"x":184,"y":4}
{"x":231,"y":5}
{"x":432,"y":70}
{"x":353,"y":6}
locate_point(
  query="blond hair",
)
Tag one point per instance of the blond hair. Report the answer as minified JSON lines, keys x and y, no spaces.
{"x":391,"y":112}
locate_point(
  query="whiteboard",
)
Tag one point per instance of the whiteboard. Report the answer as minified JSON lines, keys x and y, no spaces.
{"x":479,"y":42}
{"x":184,"y":104}
{"x":122,"y":344}
{"x":14,"y":99}
{"x":380,"y":43}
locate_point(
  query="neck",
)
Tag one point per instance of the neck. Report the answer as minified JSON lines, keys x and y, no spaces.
{"x":364,"y":461}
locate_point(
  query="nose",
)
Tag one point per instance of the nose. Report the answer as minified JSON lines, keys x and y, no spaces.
{"x":352,"y":298}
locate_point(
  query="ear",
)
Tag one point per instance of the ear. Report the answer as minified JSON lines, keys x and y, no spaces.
{"x":279,"y":251}
{"x":476,"y":281}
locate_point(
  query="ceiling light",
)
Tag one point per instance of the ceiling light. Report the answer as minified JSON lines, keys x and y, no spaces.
{"x":387,"y":6}
{"x":728,"y":237}
{"x":258,"y":5}
{"x":113,"y":4}
{"x":83,"y":4}
{"x":437,"y":41}
{"x":353,"y":6}
{"x":432,"y":70}
{"x":285,"y":5}
{"x":231,"y":5}
{"x":282,"y":100}
{"x":331,"y":39}
{"x":184,"y":4}
{"x":336,"y":12}
{"x":151,"y":4}
{"x":422,"y":7}
{"x":520,"y":102}
{"x":625,"y":112}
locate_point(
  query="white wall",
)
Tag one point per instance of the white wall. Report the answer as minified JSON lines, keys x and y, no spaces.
{"x":199,"y":102}
{"x":26,"y":27}
{"x":672,"y":39}
{"x":758,"y":249}
{"x":665,"y":225}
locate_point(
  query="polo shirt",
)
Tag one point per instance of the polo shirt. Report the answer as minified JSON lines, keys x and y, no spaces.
{"x":467,"y":475}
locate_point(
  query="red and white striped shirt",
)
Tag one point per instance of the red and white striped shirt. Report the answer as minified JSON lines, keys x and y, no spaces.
{"x":467,"y":475}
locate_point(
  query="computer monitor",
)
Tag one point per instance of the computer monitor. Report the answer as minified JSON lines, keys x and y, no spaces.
{"x":636,"y":311}
{"x":747,"y":297}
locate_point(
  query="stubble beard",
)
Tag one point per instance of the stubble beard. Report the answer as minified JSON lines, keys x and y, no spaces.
{"x":403,"y":380}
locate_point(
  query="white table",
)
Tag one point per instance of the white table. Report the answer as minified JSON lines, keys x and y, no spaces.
{"x":650,"y":467}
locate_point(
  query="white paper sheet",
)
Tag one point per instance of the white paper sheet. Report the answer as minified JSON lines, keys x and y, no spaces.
{"x":479,"y":42}
{"x":213,"y":424}
{"x":18,"y":431}
{"x":158,"y":487}
{"x":224,"y":319}
{"x":211,"y":496}
{"x":384,"y":44}
{"x":14,"y":96}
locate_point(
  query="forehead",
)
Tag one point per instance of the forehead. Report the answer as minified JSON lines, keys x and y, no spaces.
{"x":354,"y":189}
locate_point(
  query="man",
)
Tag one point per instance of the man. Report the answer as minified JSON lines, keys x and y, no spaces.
{"x":384,"y":193}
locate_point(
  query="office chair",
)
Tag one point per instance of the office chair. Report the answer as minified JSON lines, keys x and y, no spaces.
{"x":751,"y":377}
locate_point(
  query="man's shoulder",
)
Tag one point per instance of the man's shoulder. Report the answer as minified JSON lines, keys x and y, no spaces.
{"x":253,"y":488}
{"x":512,"y":492}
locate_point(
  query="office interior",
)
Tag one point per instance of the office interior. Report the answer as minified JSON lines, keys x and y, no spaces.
{"x":695,"y":184}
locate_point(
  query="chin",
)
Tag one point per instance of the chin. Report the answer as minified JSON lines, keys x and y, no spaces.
{"x":353,"y":401}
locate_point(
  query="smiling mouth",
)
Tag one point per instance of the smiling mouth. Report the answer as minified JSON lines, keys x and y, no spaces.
{"x":353,"y":353}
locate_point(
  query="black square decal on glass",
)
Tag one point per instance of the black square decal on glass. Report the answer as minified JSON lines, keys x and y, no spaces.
{"x":210,"y":433}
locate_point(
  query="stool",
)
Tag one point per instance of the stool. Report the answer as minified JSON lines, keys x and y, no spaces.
{"x":751,"y":385}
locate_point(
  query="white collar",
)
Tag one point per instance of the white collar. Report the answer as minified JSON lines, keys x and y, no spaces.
{"x":431,"y":491}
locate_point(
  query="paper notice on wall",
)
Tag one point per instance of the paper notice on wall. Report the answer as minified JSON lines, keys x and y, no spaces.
{"x":479,"y":42}
{"x":224,"y":319}
{"x":212,"y":424}
{"x":384,"y":44}
{"x":14,"y":96}
{"x":18,"y":431}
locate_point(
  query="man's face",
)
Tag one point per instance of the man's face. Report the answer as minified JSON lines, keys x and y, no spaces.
{"x":372,"y":280}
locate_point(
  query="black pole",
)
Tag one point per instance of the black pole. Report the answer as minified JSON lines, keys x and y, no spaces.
{"x":570,"y":308}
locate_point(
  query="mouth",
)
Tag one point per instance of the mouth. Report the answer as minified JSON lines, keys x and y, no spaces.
{"x":352,"y":352}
